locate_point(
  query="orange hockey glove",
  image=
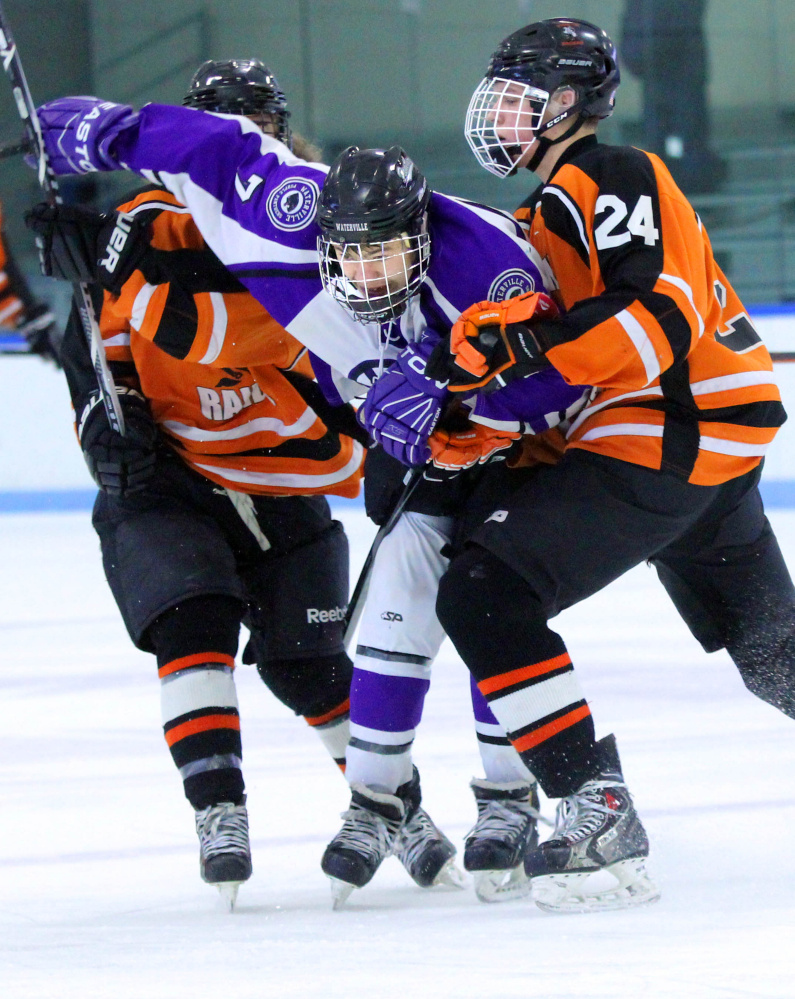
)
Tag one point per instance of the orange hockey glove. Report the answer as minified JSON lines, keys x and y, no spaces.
{"x":459,"y":449}
{"x":492,"y":344}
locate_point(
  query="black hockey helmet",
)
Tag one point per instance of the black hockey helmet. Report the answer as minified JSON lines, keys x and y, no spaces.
{"x":562,"y":51}
{"x":371,"y":195}
{"x":528,"y":67}
{"x":239,"y":86}
{"x":376,"y":197}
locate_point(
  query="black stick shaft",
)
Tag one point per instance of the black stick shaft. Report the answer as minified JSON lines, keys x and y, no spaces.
{"x":9,"y":149}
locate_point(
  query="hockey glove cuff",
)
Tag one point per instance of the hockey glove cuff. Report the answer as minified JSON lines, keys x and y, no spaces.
{"x":120,"y":465}
{"x":493,"y":343}
{"x":403,"y":407}
{"x":78,"y":133}
{"x":79,"y":245}
{"x":477,"y":444}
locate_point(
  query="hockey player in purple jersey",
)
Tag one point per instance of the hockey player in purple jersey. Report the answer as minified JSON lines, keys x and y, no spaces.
{"x":395,"y":252}
{"x":255,"y":204}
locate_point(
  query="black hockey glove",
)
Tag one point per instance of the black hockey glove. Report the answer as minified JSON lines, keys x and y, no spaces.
{"x":119,"y":465}
{"x":80,"y":245}
{"x":66,"y":236}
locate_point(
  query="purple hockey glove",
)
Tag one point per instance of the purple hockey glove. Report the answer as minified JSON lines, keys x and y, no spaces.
{"x":403,"y":407}
{"x":78,"y":132}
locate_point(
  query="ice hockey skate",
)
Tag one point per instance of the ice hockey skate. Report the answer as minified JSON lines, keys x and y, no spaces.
{"x":495,"y":848}
{"x":225,"y":854}
{"x":427,"y":854}
{"x":365,"y":840}
{"x":378,"y":824}
{"x":596,"y":858}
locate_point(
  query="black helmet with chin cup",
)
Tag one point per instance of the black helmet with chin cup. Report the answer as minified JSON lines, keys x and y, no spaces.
{"x":239,"y":86}
{"x":510,"y":103}
{"x":376,"y":197}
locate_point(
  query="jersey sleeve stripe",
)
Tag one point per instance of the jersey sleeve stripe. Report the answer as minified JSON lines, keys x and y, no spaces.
{"x":446,"y":306}
{"x":683,"y":286}
{"x":673,"y":323}
{"x":739,"y":448}
{"x":165,"y":206}
{"x":218,"y":333}
{"x":612,"y":401}
{"x":176,"y":337}
{"x":623,"y":430}
{"x":727,"y":383}
{"x":576,"y":216}
{"x":141,"y":304}
{"x":642,"y":344}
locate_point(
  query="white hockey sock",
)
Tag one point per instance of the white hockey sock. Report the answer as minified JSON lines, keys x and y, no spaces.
{"x":334,"y":730}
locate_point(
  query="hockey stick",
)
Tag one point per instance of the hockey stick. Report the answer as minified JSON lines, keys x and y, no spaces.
{"x":27,"y":112}
{"x":356,"y":603}
{"x":9,"y":149}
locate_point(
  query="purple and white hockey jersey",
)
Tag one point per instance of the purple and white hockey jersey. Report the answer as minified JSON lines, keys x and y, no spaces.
{"x":254,"y":202}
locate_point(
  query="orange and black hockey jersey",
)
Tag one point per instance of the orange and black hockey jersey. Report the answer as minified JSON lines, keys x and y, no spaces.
{"x":682,"y":381}
{"x":223,"y":379}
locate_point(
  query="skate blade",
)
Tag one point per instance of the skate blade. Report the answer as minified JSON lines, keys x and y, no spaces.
{"x":450,"y":876}
{"x":228,"y":892}
{"x":340,"y":892}
{"x":502,"y":886}
{"x":622,"y":885}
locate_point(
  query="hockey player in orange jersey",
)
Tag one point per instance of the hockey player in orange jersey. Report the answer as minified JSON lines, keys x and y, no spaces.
{"x":662,"y":464}
{"x":212,"y":507}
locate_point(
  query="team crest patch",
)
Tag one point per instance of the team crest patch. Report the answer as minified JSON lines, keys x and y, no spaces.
{"x":292,"y":204}
{"x":509,"y":284}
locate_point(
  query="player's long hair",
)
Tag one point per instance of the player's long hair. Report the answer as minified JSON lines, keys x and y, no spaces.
{"x":305,"y":149}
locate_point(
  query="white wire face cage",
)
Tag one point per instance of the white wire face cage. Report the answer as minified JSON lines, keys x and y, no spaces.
{"x":501,"y":117}
{"x":374,"y":281}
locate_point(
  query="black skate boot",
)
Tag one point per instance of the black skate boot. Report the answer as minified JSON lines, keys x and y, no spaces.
{"x":596,"y":858}
{"x":495,"y":848}
{"x":366,"y":839}
{"x":422,"y":848}
{"x":224,"y":851}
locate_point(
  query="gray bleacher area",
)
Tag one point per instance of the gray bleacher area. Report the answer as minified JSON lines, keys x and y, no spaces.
{"x":402,"y":71}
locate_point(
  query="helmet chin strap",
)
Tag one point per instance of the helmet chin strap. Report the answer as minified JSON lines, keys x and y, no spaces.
{"x":543,"y":144}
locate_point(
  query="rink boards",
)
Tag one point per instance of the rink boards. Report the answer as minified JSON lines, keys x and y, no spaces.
{"x":43,"y":469}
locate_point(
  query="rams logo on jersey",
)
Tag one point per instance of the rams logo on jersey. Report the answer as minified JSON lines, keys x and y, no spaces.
{"x":292,"y":204}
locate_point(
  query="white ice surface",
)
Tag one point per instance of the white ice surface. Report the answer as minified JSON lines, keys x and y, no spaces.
{"x":99,"y":888}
